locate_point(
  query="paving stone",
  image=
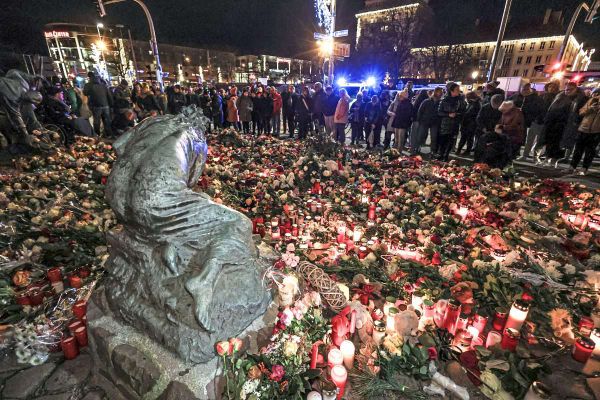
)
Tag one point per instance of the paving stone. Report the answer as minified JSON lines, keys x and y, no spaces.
{"x":26,"y":382}
{"x":94,"y":395}
{"x":9,"y":363}
{"x":60,"y":396}
{"x":101,"y":339}
{"x":70,"y":373}
{"x":134,"y":368}
{"x":177,"y":391}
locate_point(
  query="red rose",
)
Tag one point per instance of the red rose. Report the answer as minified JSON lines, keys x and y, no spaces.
{"x":223,"y":348}
{"x":236,"y":345}
{"x":527,"y":296}
{"x":436,"y":259}
{"x":433,"y":354}
{"x":277,"y":373}
{"x":436,"y":239}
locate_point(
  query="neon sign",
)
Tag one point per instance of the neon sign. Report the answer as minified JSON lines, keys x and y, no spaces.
{"x":55,"y":34}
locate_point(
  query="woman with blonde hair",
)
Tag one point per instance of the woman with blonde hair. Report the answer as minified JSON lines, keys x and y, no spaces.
{"x":400,"y":112}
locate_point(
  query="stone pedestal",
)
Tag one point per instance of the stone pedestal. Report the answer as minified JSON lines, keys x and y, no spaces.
{"x":129,"y":365}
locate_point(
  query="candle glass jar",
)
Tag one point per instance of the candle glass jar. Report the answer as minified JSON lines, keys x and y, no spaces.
{"x":451,"y":316}
{"x":499,"y":319}
{"x":510,"y":339}
{"x":479,"y":322}
{"x":538,"y":391}
{"x":389,"y":303}
{"x":440,"y":313}
{"x":462,"y":340}
{"x":428,"y":309}
{"x":583,"y":349}
{"x":518,"y":314}
{"x":391,"y":320}
{"x":585,"y":326}
{"x":417,"y":300}
{"x":462,"y":322}
{"x":378,"y":332}
{"x":493,"y":338}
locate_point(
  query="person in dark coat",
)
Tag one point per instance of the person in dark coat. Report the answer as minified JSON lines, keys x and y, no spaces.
{"x":414,"y":129}
{"x":557,"y":119}
{"x":100,"y":101}
{"x":289,"y":99}
{"x":148,"y":103}
{"x":329,"y":106}
{"x":216,"y":108}
{"x":303,"y":113}
{"x":256,"y":121}
{"x":245,"y":107}
{"x":452,"y":109}
{"x":535,"y":141}
{"x":469,"y":123}
{"x":492,"y":89}
{"x":373,"y":118}
{"x":532,"y":106}
{"x":589,"y":134}
{"x":429,"y":121}
{"x":357,"y":118}
{"x":400,"y":113}
{"x":177,"y":100}
{"x":123,"y":121}
{"x":488,"y":117}
{"x":205,"y":104}
{"x":512,"y":124}
{"x":319,"y":98}
{"x":266,"y":111}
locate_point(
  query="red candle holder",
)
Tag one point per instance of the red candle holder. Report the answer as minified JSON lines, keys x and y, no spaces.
{"x":479,"y":322}
{"x":371,"y":213}
{"x":69,"y":347}
{"x":84,"y":272}
{"x":74,"y":325}
{"x":451,"y":316}
{"x":81,"y":336}
{"x":36,"y":297}
{"x":585,"y":326}
{"x":583,"y":349}
{"x":79,"y":309}
{"x":510,"y":339}
{"x":23,"y":299}
{"x":54,"y":275}
{"x":75,"y":281}
{"x":499,"y":319}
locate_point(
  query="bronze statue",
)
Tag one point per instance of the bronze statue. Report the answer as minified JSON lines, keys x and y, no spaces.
{"x":182,"y":267}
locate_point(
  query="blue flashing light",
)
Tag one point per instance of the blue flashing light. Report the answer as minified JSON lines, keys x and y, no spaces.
{"x":342,"y":81}
{"x":371,"y":81}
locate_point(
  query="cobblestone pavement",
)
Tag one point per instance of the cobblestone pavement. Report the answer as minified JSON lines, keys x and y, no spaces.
{"x":57,"y":379}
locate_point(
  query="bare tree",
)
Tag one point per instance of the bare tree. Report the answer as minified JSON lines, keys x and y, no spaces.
{"x":442,"y":62}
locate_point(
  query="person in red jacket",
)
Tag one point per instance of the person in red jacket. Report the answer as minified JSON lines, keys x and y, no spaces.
{"x":512,"y":124}
{"x":277,"y":106}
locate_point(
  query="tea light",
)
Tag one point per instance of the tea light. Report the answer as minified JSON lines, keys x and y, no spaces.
{"x":473,"y":331}
{"x":357,"y":235}
{"x":389,"y":303}
{"x":347,"y":348}
{"x":54,"y":275}
{"x":479,"y":322}
{"x":493,"y":338}
{"x":585,"y":326}
{"x":81,"y":336}
{"x":538,"y":391}
{"x":499,"y":319}
{"x":378,"y":332}
{"x":334,"y":358}
{"x":329,"y":394}
{"x":518,"y":314}
{"x":339,"y":375}
{"x":79,"y":309}
{"x":75,"y":281}
{"x":510,"y":339}
{"x":314,"y":396}
{"x":595,"y":336}
{"x":583,"y":349}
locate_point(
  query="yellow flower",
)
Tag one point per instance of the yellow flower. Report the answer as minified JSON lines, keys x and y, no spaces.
{"x":290,"y":348}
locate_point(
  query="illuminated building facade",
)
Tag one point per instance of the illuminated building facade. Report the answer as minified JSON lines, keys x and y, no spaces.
{"x":251,"y":68}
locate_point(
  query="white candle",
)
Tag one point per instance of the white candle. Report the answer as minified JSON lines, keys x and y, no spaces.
{"x":391,"y":320}
{"x":334,"y":357}
{"x":518,"y":314}
{"x":339,"y":375}
{"x":417,"y":300}
{"x":378,"y":332}
{"x":389,"y":303}
{"x":595,"y":336}
{"x":493,"y":339}
{"x":314,"y":396}
{"x":347,"y":348}
{"x":357,"y":235}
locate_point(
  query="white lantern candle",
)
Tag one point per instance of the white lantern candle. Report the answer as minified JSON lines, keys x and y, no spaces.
{"x":378,"y":332}
{"x":339,"y":376}
{"x":357,"y":235}
{"x":391,"y":320}
{"x":493,"y":339}
{"x":347,"y":348}
{"x":417,"y":300}
{"x":389,"y":303}
{"x":314,"y":396}
{"x":595,"y":336}
{"x":334,"y":357}
{"x":518,"y":314}
{"x":538,"y":391}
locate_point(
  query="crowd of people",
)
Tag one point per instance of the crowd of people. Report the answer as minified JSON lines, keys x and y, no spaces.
{"x":549,"y":128}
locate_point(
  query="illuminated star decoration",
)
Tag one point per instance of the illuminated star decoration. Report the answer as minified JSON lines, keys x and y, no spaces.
{"x":323,"y":14}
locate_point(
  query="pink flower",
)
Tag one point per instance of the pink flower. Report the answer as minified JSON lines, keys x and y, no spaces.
{"x":408,"y":288}
{"x":286,"y":317}
{"x":277,"y":373}
{"x":236,"y":345}
{"x":298,"y":314}
{"x":223,"y":348}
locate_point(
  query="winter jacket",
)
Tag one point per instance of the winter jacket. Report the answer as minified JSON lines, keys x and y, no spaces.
{"x":449,"y":105}
{"x":428,"y":112}
{"x":265,"y":106}
{"x":342,"y":110}
{"x":547,"y":100}
{"x":176,"y":103}
{"x":357,"y":112}
{"x":373,"y":113}
{"x":330,"y":104}
{"x":98,"y":94}
{"x":417,"y":103}
{"x":488,"y":118}
{"x":400,"y":113}
{"x":289,"y":102}
{"x":232,"y":111}
{"x":319,"y":99}
{"x":245,"y":107}
{"x":277,"y":103}
{"x":513,"y":123}
{"x":591,"y":116}
{"x":469,"y":122}
{"x":531,"y":105}
{"x":303,"y":108}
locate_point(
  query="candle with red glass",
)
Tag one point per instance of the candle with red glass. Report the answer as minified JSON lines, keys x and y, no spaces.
{"x":339,"y":376}
{"x":79,"y":309}
{"x":479,"y":322}
{"x":499,"y":319}
{"x":451,"y":316}
{"x":69,"y":347}
{"x":510,"y":339}
{"x":585,"y":326}
{"x":583,"y":349}
{"x":75,"y":281}
{"x":54,"y":275}
{"x":81,"y":336}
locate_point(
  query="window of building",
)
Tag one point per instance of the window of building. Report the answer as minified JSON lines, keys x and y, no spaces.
{"x":532,"y":46}
{"x":528,"y":60}
{"x":478,"y":49}
{"x":506,"y":62}
{"x":525,"y":72}
{"x":523,"y":46}
{"x":552,"y":43}
{"x":547,"y":58}
{"x":519,"y":60}
{"x":511,"y":48}
{"x":542,"y":45}
{"x":385,"y":28}
{"x":538,"y":59}
{"x":516,"y":72}
{"x":487,"y":48}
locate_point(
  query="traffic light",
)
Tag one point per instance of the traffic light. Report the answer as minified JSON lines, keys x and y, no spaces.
{"x":100,"y":7}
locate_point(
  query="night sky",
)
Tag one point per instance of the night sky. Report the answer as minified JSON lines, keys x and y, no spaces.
{"x":279,"y":27}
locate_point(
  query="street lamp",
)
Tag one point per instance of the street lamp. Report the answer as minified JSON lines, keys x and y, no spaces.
{"x":101,"y":45}
{"x":474,"y":75}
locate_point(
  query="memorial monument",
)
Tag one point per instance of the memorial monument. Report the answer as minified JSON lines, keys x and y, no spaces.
{"x":183,"y":269}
